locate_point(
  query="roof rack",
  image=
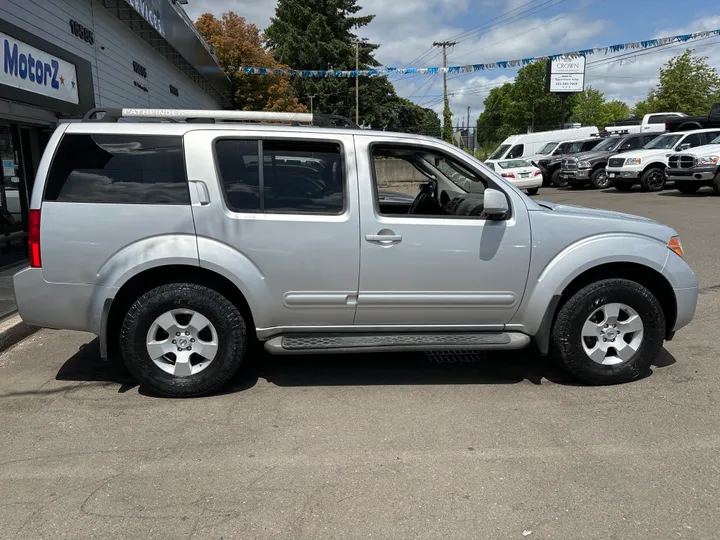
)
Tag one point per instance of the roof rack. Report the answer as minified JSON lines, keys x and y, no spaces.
{"x":214,"y":116}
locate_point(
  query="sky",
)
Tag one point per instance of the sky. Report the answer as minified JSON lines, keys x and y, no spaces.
{"x":493,"y":30}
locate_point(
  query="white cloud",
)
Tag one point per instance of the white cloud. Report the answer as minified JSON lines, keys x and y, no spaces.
{"x":257,"y":12}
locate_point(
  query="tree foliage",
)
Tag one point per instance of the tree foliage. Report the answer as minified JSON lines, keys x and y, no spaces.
{"x":591,"y":109}
{"x":238,"y":43}
{"x":687,"y":84}
{"x":447,"y":129}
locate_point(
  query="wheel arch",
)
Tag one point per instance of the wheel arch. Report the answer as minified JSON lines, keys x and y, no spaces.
{"x":655,"y":165}
{"x":646,"y":276}
{"x":116,"y":307}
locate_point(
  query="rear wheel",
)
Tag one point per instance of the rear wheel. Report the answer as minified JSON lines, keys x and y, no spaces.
{"x":688,"y":187}
{"x":609,"y":332}
{"x":653,"y":179}
{"x":599,"y":179}
{"x":716,"y":184}
{"x":183,"y":340}
{"x":533,"y":191}
{"x":622,"y":186}
{"x":556,"y":180}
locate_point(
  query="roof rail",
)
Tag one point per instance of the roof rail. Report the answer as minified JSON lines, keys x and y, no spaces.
{"x":213,"y":116}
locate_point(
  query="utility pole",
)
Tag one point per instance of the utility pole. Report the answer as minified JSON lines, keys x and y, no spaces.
{"x":357,"y":82}
{"x":447,"y":125}
{"x":312,"y":109}
{"x":468,"y":128}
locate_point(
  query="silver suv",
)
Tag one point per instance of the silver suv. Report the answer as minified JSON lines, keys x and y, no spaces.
{"x":180,"y":243}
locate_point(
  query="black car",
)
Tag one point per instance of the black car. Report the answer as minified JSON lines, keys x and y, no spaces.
{"x":550,"y":166}
{"x":589,"y":167}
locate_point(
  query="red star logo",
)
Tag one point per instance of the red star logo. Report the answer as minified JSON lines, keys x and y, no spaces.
{"x":62,"y":81}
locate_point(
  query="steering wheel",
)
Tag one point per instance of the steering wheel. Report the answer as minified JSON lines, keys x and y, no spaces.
{"x":425,"y":202}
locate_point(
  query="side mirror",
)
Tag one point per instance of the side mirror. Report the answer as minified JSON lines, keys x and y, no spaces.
{"x":495,"y":204}
{"x":682,"y":147}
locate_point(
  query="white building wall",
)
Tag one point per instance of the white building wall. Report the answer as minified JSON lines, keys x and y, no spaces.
{"x":111,"y":56}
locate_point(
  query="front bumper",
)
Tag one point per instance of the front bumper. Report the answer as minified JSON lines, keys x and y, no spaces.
{"x":623,"y":175}
{"x":685,"y":286}
{"x":576,"y":176}
{"x":706,"y":174}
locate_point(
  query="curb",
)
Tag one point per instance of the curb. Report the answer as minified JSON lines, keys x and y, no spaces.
{"x":14,"y":330}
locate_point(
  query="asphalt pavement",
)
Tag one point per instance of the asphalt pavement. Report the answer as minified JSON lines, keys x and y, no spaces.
{"x":383,"y":446}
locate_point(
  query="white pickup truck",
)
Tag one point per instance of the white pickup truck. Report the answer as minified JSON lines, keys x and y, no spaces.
{"x":651,"y":123}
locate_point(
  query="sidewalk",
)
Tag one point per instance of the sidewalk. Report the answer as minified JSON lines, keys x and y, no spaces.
{"x":12,"y":262}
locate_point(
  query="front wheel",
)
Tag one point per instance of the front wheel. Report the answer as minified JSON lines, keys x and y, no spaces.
{"x":556,"y":180}
{"x":599,"y":179}
{"x":183,"y":340}
{"x":609,"y":332}
{"x":688,"y":187}
{"x":653,"y":179}
{"x":533,"y":191}
{"x":716,"y":184}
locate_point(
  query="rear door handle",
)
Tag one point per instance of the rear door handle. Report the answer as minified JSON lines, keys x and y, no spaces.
{"x":384,"y":238}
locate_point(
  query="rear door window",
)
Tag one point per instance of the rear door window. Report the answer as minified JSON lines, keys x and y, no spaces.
{"x":125,"y":169}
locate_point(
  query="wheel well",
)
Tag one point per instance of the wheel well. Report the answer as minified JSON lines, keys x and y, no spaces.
{"x":645,"y":276}
{"x":149,"y":279}
{"x":690,"y":125}
{"x":655,"y":165}
{"x":600,"y":165}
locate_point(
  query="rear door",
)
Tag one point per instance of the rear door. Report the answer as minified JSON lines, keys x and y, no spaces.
{"x":279,"y":213}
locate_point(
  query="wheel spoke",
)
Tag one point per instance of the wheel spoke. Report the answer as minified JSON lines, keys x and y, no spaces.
{"x":591,"y":329}
{"x":198,"y":322}
{"x":206,"y":349}
{"x":158,"y":349}
{"x":599,"y":352}
{"x":166,"y":321}
{"x":631,"y":325}
{"x":611,"y":311}
{"x":625,"y":351}
{"x":183,"y":368}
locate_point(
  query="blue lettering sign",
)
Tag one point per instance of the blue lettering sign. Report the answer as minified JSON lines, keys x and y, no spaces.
{"x":11,"y":58}
{"x":39,"y":72}
{"x":55,"y":66}
{"x":31,"y":68}
{"x":47,"y":68}
{"x":23,"y":66}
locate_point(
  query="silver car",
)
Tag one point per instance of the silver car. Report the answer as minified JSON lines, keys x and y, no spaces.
{"x":180,"y":243}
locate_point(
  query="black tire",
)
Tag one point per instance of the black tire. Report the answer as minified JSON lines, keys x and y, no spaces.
{"x":224,"y":316}
{"x":688,"y":187}
{"x":567,"y":331}
{"x":599,"y":179}
{"x":533,"y":191}
{"x":653,"y":179}
{"x":622,"y":186}
{"x":716,"y":184}
{"x":556,"y":180}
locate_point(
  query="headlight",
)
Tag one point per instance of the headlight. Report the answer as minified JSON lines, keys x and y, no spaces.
{"x":708,"y":160}
{"x":584,"y":165}
{"x":633,"y":161}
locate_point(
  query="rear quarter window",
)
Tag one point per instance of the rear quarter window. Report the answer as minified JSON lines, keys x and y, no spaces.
{"x":125,"y":169}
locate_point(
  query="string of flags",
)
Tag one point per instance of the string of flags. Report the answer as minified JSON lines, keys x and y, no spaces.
{"x":470,"y":68}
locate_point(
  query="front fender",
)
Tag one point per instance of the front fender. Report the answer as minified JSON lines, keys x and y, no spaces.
{"x":553,"y":277}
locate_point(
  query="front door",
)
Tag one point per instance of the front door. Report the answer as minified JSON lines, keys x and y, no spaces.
{"x":280,"y":215}
{"x":446,"y":264}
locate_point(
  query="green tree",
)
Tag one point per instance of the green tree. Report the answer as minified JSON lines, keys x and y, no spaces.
{"x":447,"y":129}
{"x":590,"y":108}
{"x":615,"y":110}
{"x":320,"y":35}
{"x":687,"y":84}
{"x":641,"y":108}
{"x":431,"y":124}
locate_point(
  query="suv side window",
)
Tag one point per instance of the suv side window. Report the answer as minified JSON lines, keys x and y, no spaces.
{"x":647,"y":138}
{"x":657,"y":119}
{"x":694,"y":139}
{"x":631,"y":143}
{"x":516,"y":151}
{"x":292,"y":177}
{"x":124,"y":169}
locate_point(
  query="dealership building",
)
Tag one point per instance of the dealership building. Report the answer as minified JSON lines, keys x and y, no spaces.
{"x":61,"y":58}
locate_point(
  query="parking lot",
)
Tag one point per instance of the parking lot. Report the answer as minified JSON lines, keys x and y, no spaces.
{"x":383,"y":446}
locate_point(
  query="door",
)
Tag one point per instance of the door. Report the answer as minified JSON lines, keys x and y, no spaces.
{"x":280,"y":215}
{"x":446,"y":265}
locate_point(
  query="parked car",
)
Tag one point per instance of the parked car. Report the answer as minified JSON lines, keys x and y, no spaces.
{"x":686,"y":123}
{"x":181,"y":243}
{"x":520,"y":173}
{"x":589,"y":167}
{"x":550,"y":165}
{"x":692,"y":170}
{"x":647,"y":166}
{"x":529,"y":144}
{"x":650,"y":123}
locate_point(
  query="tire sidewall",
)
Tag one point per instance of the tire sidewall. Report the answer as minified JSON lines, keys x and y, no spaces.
{"x":716,"y":184}
{"x":230,"y":328}
{"x":646,"y":176}
{"x":569,"y":341}
{"x":556,"y":181}
{"x":594,"y":179}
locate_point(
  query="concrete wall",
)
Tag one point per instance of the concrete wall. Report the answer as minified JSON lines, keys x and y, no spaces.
{"x":112,"y":54}
{"x":397,"y":171}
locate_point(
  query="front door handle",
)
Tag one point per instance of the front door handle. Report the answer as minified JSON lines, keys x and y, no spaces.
{"x":384,"y":237}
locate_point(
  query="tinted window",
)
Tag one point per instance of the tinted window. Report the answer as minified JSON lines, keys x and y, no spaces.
{"x":694,"y":139}
{"x":238,"y":167}
{"x":516,"y":151}
{"x":303,"y":177}
{"x":648,"y":138}
{"x":657,"y":119}
{"x":130,"y":169}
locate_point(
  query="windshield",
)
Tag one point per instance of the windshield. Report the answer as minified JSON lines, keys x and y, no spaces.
{"x":500,"y":152}
{"x":513,"y":164}
{"x":549,"y":147}
{"x":663,"y":142}
{"x":609,"y":144}
{"x":716,"y":140}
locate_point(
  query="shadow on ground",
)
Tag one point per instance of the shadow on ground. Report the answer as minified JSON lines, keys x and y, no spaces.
{"x":355,"y":369}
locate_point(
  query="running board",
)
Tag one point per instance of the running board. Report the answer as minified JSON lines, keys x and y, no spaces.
{"x":364,"y":343}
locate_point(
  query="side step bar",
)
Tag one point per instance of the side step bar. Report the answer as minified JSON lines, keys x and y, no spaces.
{"x":364,"y":343}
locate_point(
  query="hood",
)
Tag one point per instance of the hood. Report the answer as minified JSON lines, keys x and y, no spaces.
{"x":645,"y":153}
{"x":569,"y":209}
{"x":701,"y":151}
{"x":590,"y":155}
